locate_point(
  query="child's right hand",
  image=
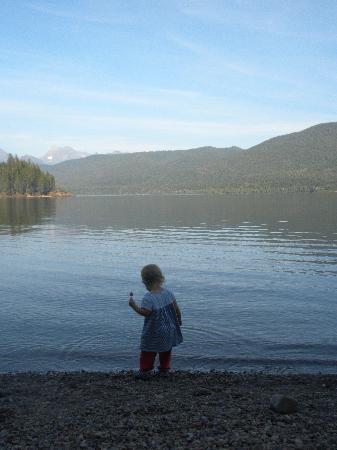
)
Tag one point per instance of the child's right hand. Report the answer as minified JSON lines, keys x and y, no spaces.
{"x":131,"y":300}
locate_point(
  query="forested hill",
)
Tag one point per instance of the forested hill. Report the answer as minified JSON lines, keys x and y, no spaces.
{"x":301,"y":161}
{"x":25,"y":178}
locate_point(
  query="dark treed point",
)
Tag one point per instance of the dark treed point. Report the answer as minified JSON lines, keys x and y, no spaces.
{"x":24,"y":177}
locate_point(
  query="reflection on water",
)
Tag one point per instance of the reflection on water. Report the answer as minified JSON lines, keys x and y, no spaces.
{"x":21,"y":215}
{"x":255,"y":276}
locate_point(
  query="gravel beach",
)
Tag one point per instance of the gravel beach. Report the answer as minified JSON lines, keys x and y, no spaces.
{"x":181,"y":411}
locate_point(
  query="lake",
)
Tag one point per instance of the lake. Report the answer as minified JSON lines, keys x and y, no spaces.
{"x":255,"y":277}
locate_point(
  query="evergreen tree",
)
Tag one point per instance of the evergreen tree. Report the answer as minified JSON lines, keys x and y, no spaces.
{"x":22,"y":177}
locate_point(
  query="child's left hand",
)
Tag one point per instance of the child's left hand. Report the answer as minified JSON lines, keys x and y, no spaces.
{"x":131,"y":302}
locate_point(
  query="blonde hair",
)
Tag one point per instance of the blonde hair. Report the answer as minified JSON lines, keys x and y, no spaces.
{"x":151,"y":274}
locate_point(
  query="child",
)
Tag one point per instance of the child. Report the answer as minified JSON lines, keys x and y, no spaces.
{"x":162,"y":321}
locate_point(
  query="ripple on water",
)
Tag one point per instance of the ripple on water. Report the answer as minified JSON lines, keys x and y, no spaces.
{"x":253,"y":292}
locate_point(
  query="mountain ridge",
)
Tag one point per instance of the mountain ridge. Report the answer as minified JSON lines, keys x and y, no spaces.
{"x":302,"y":161}
{"x":58,"y":154}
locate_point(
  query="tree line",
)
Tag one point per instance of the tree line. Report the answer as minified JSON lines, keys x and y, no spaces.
{"x":24,"y":177}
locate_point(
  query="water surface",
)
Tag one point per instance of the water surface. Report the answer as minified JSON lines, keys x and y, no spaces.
{"x":255,"y":276}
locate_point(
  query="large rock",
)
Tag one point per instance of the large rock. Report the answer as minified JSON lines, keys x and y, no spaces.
{"x":283,"y":404}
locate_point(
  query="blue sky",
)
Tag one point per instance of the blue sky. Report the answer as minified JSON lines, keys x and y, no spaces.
{"x":106,"y":75}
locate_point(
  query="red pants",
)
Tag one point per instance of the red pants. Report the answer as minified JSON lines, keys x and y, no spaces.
{"x":147,"y":361}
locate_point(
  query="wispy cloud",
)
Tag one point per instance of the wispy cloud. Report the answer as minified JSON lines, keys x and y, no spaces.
{"x":33,"y":97}
{"x":117,"y":94}
{"x":102,"y":16}
{"x":284,"y":19}
{"x":215,"y":58}
{"x":97,"y":124}
{"x":194,"y":127}
{"x":22,"y":137}
{"x":179,"y":135}
{"x":173,"y":74}
{"x":248,"y":14}
{"x":187,"y":44}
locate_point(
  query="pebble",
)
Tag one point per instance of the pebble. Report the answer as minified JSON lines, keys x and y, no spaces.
{"x":189,"y":437}
{"x":109,"y":410}
{"x":299,"y":443}
{"x":201,"y":391}
{"x":6,"y":413}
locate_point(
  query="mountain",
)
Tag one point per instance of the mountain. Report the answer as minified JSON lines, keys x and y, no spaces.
{"x":301,"y":161}
{"x":31,"y":158}
{"x":3,"y":155}
{"x":56,"y":155}
{"x":297,"y":161}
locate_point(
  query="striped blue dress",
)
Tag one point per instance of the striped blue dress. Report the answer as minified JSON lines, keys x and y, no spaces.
{"x":161,"y":330}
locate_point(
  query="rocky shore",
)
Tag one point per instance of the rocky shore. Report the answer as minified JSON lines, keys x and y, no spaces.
{"x":216,"y":410}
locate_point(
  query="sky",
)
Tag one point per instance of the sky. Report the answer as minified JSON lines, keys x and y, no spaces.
{"x":139,"y":75}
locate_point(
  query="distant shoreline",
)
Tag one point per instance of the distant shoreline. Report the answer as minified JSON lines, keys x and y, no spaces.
{"x":62,"y":194}
{"x":194,"y":193}
{"x":55,"y":194}
{"x":198,"y":193}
